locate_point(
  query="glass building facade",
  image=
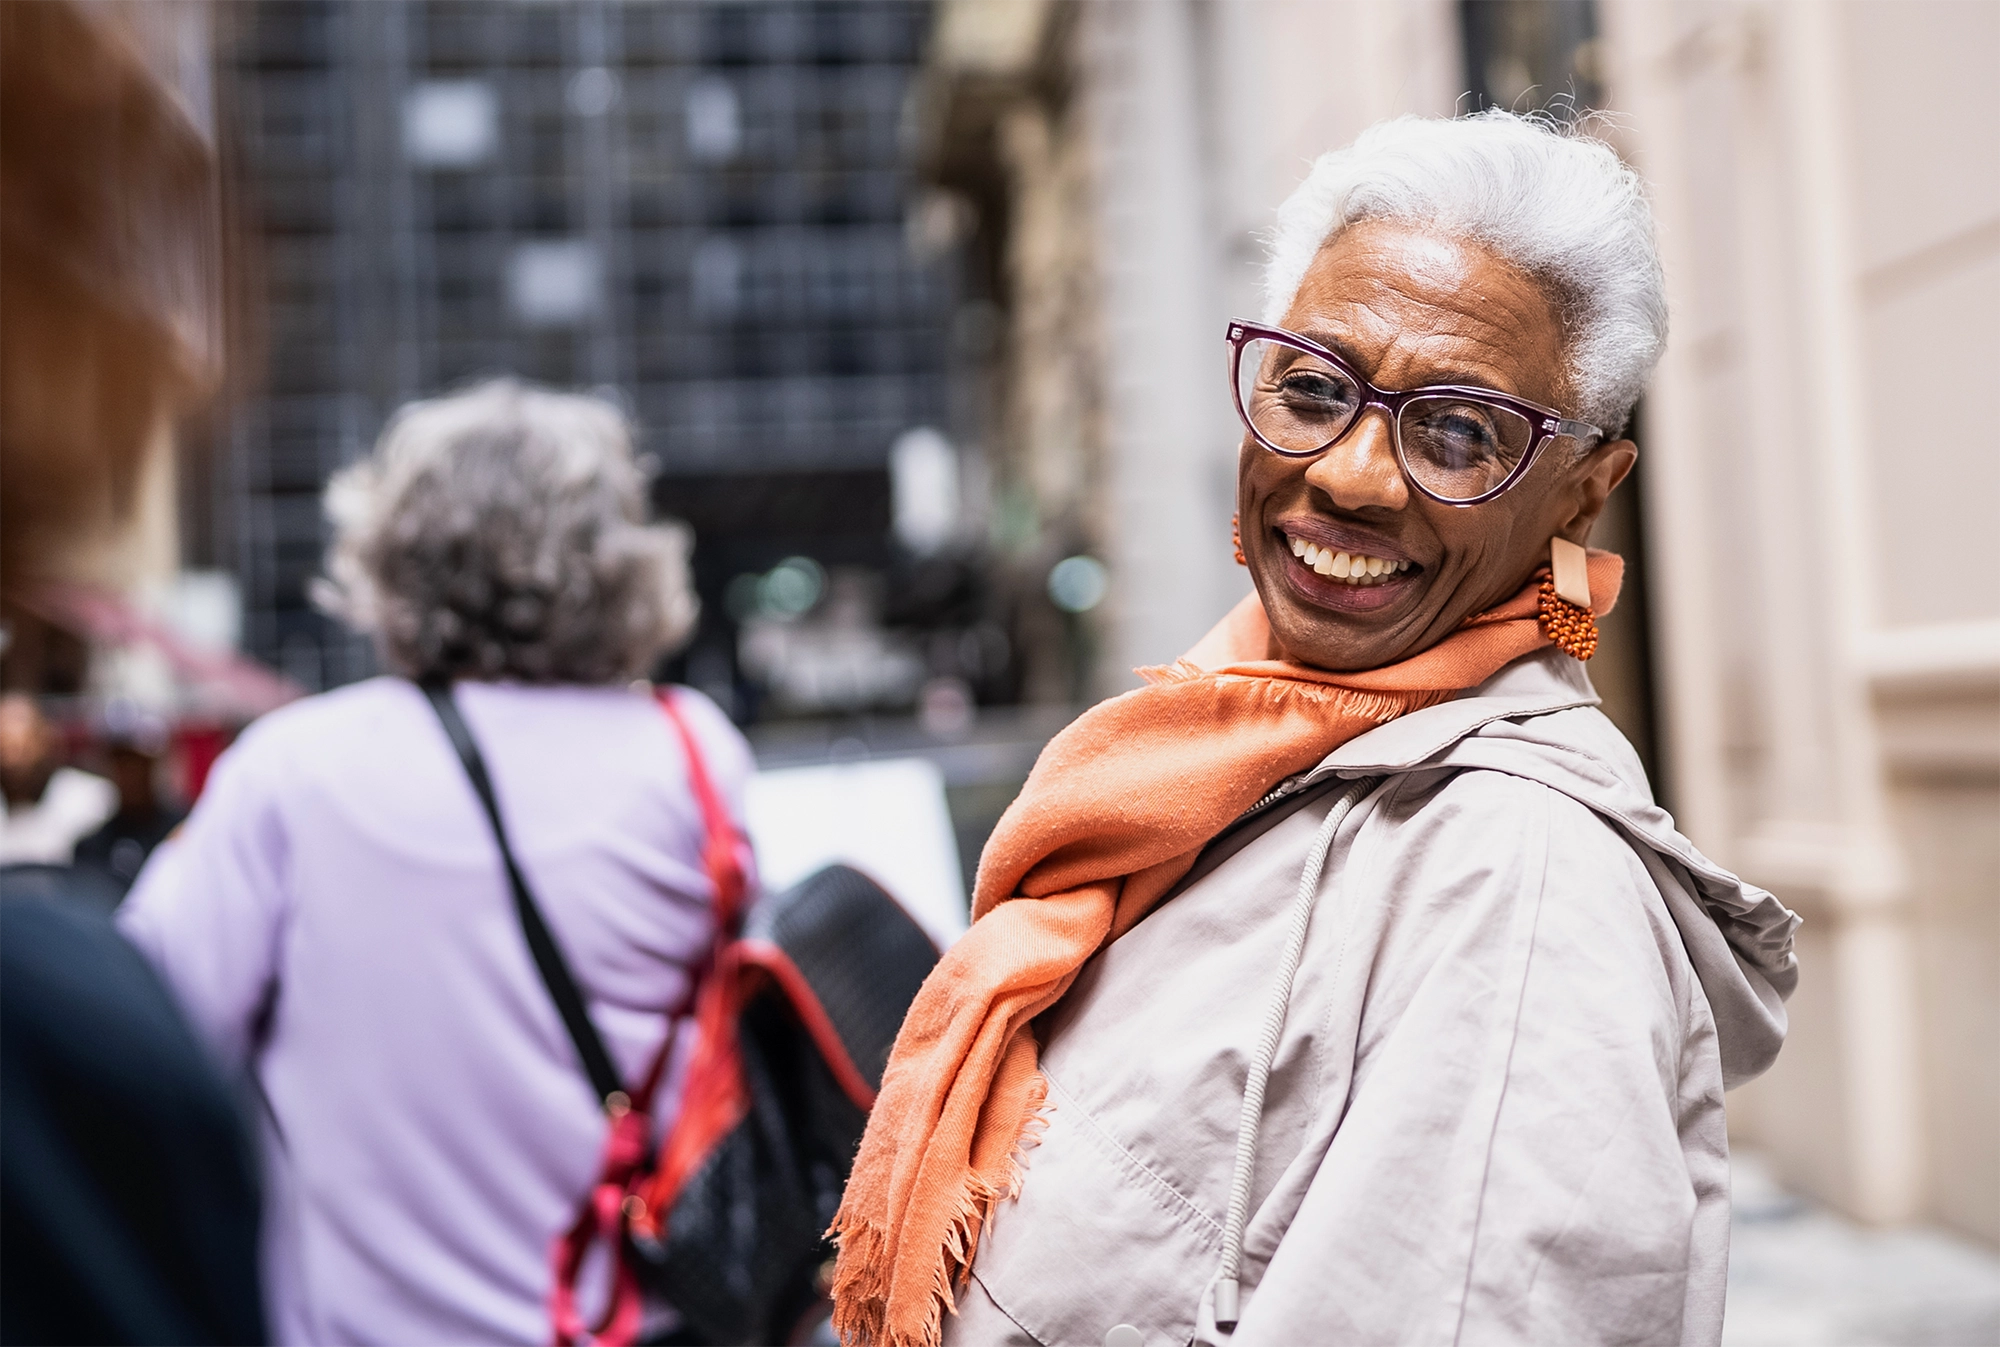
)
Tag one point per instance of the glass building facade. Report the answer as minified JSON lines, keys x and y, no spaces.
{"x":700,"y":206}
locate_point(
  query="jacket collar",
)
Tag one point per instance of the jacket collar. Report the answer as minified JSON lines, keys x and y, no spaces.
{"x":1533,"y":685}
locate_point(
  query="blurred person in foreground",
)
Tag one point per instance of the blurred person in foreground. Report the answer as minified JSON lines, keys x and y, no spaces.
{"x":128,"y":1192}
{"x":48,"y":806}
{"x":334,"y":913}
{"x":1346,"y":984}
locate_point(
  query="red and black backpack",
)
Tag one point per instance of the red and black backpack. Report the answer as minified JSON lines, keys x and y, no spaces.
{"x":794,"y":1011}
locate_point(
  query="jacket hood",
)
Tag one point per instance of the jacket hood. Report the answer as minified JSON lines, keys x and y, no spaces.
{"x":1538,"y":719}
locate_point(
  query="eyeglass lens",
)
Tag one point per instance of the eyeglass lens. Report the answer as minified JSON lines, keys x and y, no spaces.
{"x":1455,"y":446}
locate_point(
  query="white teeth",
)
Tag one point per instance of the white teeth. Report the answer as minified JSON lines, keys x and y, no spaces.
{"x":1354,"y":568}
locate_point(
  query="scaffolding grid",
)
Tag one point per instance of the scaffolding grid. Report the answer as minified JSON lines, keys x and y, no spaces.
{"x":700,"y":205}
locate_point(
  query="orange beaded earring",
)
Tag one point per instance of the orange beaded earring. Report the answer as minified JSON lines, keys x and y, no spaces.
{"x":1565,"y":601}
{"x":1236,"y":539}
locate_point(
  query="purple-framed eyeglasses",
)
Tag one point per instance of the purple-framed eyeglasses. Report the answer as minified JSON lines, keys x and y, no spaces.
{"x":1457,"y":445}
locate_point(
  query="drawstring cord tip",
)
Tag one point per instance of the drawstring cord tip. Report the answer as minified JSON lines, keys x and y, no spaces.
{"x":1226,"y":1313}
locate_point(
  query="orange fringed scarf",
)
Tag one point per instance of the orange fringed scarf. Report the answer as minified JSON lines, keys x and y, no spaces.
{"x":1117,"y":808}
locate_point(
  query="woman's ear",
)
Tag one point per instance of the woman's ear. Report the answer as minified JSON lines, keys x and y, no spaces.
{"x":1591,"y":483}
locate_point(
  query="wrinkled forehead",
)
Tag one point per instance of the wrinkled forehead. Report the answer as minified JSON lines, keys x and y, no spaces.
{"x":1413,"y":307}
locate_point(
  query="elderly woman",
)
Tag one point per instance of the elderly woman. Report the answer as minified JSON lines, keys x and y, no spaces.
{"x":334,"y":914}
{"x":1346,"y":985}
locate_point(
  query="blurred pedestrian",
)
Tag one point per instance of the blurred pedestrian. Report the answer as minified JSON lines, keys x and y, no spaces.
{"x":128,"y":1202}
{"x":334,"y":912}
{"x":48,"y":805}
{"x":134,"y":743}
{"x":128,"y":1186}
{"x":1373,"y":998}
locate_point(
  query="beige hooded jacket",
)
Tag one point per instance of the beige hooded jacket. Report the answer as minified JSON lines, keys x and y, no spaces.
{"x":1495,"y":1113}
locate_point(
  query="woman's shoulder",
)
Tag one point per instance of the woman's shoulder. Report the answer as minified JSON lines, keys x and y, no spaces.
{"x":624,"y":720}
{"x":728,"y":751}
{"x":381,"y":705}
{"x":1476,"y":811}
{"x":1479,"y":836}
{"x":362,"y":746}
{"x":290,"y":753}
{"x":1482,"y":859}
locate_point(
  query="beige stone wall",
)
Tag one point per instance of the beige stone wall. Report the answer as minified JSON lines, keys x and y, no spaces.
{"x":1949,"y":821}
{"x":1828,"y":628}
{"x":1928,"y":222}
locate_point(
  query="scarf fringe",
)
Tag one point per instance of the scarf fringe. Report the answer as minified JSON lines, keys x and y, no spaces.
{"x":1380,"y":707}
{"x":861,"y":1277}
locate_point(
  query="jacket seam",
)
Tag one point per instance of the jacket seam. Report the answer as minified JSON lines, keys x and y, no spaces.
{"x":1671,"y":846}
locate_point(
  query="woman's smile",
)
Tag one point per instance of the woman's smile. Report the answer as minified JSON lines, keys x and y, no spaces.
{"x":1346,"y":569}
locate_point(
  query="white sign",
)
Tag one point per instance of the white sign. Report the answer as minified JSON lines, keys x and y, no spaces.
{"x":886,"y":818}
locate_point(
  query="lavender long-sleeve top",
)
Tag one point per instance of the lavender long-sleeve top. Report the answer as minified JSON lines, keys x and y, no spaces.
{"x":334,"y":917}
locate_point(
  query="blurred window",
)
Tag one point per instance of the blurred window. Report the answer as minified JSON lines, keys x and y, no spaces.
{"x":714,"y":120}
{"x":923,"y":486}
{"x":554,"y":282}
{"x":451,"y":123}
{"x":715,"y":278}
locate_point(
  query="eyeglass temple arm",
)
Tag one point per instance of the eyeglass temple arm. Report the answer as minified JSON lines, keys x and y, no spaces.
{"x":1581,"y":430}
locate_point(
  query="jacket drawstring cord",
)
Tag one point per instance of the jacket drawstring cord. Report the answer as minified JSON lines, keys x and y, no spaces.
{"x":1227,"y":1288}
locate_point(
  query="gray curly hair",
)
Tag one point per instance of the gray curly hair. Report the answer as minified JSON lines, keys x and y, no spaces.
{"x":498,"y":533}
{"x":1550,"y":198}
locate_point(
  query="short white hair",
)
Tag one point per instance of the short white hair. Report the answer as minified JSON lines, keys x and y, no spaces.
{"x":499,"y":533}
{"x":1549,"y":198}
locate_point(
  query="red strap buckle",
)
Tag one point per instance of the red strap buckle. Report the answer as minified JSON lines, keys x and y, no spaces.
{"x":606,"y":1216}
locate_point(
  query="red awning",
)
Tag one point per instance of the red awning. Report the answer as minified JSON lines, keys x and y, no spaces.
{"x":242,"y":686}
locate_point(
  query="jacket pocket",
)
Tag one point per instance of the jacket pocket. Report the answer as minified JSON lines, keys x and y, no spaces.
{"x":1095,"y":1239}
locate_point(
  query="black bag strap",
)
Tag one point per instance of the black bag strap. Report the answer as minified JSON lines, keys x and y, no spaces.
{"x":549,"y":961}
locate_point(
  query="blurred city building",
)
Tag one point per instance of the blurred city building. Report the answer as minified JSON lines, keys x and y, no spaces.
{"x":705,"y":209}
{"x":1809,"y":659}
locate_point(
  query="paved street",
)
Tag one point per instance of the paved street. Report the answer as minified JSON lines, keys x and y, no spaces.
{"x":1800,"y":1276}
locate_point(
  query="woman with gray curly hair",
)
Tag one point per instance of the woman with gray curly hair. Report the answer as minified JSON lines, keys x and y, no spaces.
{"x":334,"y":914}
{"x":497,"y":534}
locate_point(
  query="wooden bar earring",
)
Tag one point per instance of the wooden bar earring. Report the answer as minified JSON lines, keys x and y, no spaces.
{"x":1236,"y":539}
{"x":1565,"y":601}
